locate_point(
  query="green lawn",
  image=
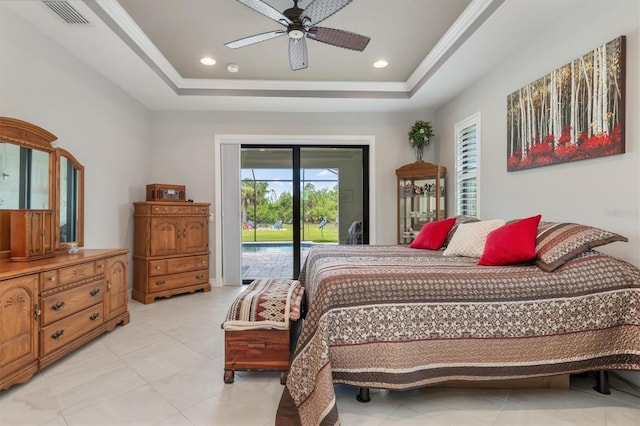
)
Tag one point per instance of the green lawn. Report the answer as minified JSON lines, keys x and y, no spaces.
{"x":311,"y":233}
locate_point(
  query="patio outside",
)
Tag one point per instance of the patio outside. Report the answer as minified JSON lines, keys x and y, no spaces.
{"x":267,"y":219}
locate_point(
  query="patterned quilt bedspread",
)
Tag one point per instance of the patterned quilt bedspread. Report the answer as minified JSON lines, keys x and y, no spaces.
{"x":398,"y":318}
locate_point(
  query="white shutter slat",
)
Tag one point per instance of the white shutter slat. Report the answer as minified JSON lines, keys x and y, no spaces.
{"x":467,"y":170}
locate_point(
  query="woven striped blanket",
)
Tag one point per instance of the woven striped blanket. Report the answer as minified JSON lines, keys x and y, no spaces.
{"x":266,"y":303}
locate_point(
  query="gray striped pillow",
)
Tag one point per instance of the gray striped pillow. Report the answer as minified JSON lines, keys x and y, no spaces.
{"x":557,"y":242}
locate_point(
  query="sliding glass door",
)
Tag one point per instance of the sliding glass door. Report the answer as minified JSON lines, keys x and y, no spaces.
{"x":295,"y":197}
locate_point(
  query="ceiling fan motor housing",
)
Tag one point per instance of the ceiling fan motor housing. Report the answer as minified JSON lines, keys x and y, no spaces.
{"x":296,"y":31}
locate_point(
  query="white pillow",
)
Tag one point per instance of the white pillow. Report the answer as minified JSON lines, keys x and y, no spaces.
{"x":469,"y":238}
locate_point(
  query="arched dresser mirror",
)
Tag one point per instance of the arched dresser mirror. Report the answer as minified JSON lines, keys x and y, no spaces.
{"x":35,"y":175}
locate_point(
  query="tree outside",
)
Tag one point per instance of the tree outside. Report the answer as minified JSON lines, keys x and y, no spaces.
{"x":267,"y":216}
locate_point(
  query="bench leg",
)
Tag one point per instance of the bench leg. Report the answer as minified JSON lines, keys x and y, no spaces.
{"x":283,"y":377}
{"x":228,"y":376}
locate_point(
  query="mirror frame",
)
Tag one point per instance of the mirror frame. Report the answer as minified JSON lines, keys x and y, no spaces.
{"x":59,"y":153}
{"x":29,"y":135}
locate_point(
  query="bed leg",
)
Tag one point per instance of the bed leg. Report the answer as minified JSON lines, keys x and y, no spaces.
{"x":363,"y":395}
{"x":602,"y":382}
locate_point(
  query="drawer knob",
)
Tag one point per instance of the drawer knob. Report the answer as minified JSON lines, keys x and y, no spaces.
{"x":58,"y":334}
{"x":158,"y":283}
{"x":101,"y":266}
{"x":95,"y":292}
{"x":204,"y":261}
{"x":156,"y":209}
{"x":199,"y":276}
{"x":157,"y":267}
{"x":94,"y":316}
{"x":57,"y":306}
{"x":52,"y":278}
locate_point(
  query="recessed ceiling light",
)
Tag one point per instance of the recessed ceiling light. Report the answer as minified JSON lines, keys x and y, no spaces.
{"x":233,"y":68}
{"x":207,"y":61}
{"x":380,"y":64}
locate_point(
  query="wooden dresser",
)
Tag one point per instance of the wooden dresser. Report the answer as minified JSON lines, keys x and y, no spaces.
{"x":50,"y":307}
{"x":170,"y":249}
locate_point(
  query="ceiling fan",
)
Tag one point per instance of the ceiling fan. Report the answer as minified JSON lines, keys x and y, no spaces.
{"x":299,"y":23}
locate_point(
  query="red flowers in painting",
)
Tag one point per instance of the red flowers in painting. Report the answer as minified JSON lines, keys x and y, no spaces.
{"x":545,"y":153}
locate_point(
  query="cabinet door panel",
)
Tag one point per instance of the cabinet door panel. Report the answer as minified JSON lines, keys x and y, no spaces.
{"x":116,"y":298}
{"x":166,"y":234}
{"x":35,"y":233}
{"x":47,"y":228}
{"x":18,"y":326}
{"x":195,"y":236}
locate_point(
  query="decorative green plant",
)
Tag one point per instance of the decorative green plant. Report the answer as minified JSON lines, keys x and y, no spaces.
{"x":420,"y":134}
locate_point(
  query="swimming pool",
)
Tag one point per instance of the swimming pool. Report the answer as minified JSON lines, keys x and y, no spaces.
{"x":273,"y":247}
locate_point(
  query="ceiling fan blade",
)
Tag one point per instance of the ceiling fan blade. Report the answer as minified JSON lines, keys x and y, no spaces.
{"x":254,"y":39}
{"x":266,"y":10}
{"x":319,"y":10}
{"x":340,"y":38}
{"x":298,"y":53}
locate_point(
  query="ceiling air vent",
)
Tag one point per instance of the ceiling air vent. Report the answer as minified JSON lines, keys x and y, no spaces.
{"x":66,"y":12}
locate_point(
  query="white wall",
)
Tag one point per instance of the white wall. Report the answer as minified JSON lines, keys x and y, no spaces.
{"x":602,"y":192}
{"x":104,"y":128}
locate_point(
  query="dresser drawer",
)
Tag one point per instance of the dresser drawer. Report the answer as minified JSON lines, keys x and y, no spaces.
{"x":69,"y":302}
{"x":50,"y":279}
{"x":177,"y":265}
{"x":81,"y":271}
{"x":189,"y":210}
{"x":68,"y":329}
{"x":182,"y":209}
{"x":168,"y":282}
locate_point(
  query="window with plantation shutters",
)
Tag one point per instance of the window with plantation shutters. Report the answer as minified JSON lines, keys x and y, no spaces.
{"x":468,"y":166}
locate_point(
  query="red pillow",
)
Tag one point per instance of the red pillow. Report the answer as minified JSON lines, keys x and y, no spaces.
{"x":433,"y":234}
{"x":512,"y":243}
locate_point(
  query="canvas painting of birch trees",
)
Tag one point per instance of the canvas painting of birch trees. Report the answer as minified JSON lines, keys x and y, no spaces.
{"x":574,"y":113}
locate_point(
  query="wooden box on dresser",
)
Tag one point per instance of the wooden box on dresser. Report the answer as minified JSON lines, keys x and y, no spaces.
{"x":50,"y":307}
{"x":170,"y":249}
{"x":31,"y":235}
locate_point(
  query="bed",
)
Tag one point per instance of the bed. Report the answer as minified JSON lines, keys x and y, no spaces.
{"x":395,"y":317}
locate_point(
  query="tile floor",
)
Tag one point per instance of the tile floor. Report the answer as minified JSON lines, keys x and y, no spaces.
{"x":166,"y":368}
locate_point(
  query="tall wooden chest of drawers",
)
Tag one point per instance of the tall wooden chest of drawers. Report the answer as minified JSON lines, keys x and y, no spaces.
{"x":170,"y":249}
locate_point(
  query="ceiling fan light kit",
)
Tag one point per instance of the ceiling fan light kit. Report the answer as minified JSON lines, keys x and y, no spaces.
{"x":299,"y":23}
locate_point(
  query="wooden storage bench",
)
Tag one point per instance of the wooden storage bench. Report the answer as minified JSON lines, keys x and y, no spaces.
{"x":261,"y":328}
